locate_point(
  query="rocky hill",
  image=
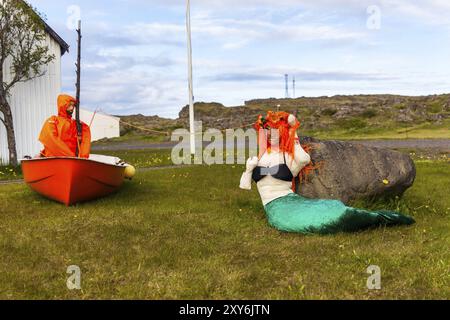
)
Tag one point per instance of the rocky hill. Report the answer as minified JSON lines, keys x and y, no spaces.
{"x":343,"y":112}
{"x":140,"y":123}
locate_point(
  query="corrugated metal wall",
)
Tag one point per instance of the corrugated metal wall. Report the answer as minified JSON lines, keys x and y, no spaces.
{"x":103,"y":126}
{"x":32,"y":103}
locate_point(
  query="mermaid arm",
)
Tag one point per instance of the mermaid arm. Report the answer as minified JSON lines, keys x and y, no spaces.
{"x":246,"y":179}
{"x":301,"y":158}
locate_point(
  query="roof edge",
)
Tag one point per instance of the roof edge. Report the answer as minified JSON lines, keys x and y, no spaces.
{"x":63,"y":44}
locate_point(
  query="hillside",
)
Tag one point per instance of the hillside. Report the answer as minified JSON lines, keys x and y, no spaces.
{"x":132,"y":124}
{"x":338,"y":115}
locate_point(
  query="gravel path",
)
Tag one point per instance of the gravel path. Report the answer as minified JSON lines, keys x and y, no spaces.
{"x":132,"y":146}
{"x":442,"y":144}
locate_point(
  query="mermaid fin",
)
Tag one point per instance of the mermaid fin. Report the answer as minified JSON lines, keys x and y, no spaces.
{"x":394,"y":218}
{"x":354,"y":220}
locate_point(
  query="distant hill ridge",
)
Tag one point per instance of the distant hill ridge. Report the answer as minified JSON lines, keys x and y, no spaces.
{"x":344,"y":112}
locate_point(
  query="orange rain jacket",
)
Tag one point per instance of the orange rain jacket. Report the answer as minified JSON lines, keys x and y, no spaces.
{"x":59,"y":133}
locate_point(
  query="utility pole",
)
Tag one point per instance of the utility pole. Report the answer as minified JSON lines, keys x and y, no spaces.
{"x":293,"y":88}
{"x":286,"y":77}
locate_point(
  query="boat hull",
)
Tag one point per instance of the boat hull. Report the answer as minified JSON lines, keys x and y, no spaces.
{"x":72,"y":180}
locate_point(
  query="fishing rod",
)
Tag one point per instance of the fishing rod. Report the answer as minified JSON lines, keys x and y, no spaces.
{"x":78,"y":86}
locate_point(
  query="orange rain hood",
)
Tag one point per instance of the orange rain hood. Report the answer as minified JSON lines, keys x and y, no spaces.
{"x":63,"y":103}
{"x":59,"y":133}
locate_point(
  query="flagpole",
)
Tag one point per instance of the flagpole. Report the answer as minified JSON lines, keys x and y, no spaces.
{"x":191,"y":86}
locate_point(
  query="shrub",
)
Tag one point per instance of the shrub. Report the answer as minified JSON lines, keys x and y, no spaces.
{"x":370,"y":113}
{"x":400,"y":106}
{"x":434,"y":107}
{"x":354,"y":123}
{"x":329,"y":112}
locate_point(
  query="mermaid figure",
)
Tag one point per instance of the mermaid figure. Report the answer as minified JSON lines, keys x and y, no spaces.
{"x":281,"y":159}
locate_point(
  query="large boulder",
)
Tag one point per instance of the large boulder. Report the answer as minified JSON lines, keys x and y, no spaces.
{"x":351,"y":171}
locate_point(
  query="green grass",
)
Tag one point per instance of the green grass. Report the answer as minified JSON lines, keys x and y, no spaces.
{"x":421,"y":155}
{"x":139,"y":158}
{"x":191,"y":233}
{"x":134,"y":138}
{"x":10,"y":173}
{"x":356,"y":130}
{"x":143,"y":158}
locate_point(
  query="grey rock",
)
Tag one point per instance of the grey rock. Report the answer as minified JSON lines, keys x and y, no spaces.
{"x":404,"y":117}
{"x":436,"y":117}
{"x":351,"y":171}
{"x":343,"y":112}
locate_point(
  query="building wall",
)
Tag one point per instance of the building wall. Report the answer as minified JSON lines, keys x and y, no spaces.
{"x":32,"y":103}
{"x":103,"y":126}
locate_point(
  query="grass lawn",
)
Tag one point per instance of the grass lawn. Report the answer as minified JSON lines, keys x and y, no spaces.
{"x":139,"y":158}
{"x":421,"y":131}
{"x":145,"y":158}
{"x":10,"y":173}
{"x":191,"y":233}
{"x":135,"y":138}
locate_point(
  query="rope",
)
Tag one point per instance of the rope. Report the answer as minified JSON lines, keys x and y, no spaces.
{"x":168,"y":133}
{"x":243,"y":127}
{"x":145,"y":129}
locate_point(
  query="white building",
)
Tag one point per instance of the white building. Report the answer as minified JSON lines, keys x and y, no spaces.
{"x":34,"y":101}
{"x":102,"y":125}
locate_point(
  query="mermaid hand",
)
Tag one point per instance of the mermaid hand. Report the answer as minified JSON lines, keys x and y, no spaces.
{"x":252,"y":163}
{"x":292,"y":120}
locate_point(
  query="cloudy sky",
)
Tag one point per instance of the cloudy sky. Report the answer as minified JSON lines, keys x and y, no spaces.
{"x":135,"y":57}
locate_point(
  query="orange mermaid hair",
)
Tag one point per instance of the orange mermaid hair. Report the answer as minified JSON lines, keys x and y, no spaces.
{"x":287,"y":139}
{"x":276,"y":120}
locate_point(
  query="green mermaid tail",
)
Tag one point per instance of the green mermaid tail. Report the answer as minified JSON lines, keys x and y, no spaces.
{"x":294,"y":213}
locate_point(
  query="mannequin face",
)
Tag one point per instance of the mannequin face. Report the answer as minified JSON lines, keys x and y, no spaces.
{"x":70,"y":109}
{"x":273,"y":136}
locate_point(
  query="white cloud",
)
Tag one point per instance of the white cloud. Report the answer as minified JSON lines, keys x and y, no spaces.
{"x":235,"y":33}
{"x":243,"y":49}
{"x":429,"y":11}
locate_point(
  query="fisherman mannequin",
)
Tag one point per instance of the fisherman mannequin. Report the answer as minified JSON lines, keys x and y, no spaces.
{"x":281,"y":159}
{"x":59,"y":133}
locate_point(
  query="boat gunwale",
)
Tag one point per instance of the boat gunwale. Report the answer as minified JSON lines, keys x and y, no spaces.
{"x":71,"y":158}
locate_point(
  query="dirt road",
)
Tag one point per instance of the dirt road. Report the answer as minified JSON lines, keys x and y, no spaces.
{"x":440,"y":144}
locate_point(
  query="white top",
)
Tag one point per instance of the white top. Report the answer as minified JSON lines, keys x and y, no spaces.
{"x":270,"y":188}
{"x":104,"y":159}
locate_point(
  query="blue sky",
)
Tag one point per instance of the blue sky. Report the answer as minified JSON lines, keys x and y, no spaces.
{"x":135,"y":57}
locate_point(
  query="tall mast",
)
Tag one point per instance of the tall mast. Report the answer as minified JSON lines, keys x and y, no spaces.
{"x":78,"y":85}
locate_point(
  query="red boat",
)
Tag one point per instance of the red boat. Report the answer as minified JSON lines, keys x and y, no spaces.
{"x":73,"y":180}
